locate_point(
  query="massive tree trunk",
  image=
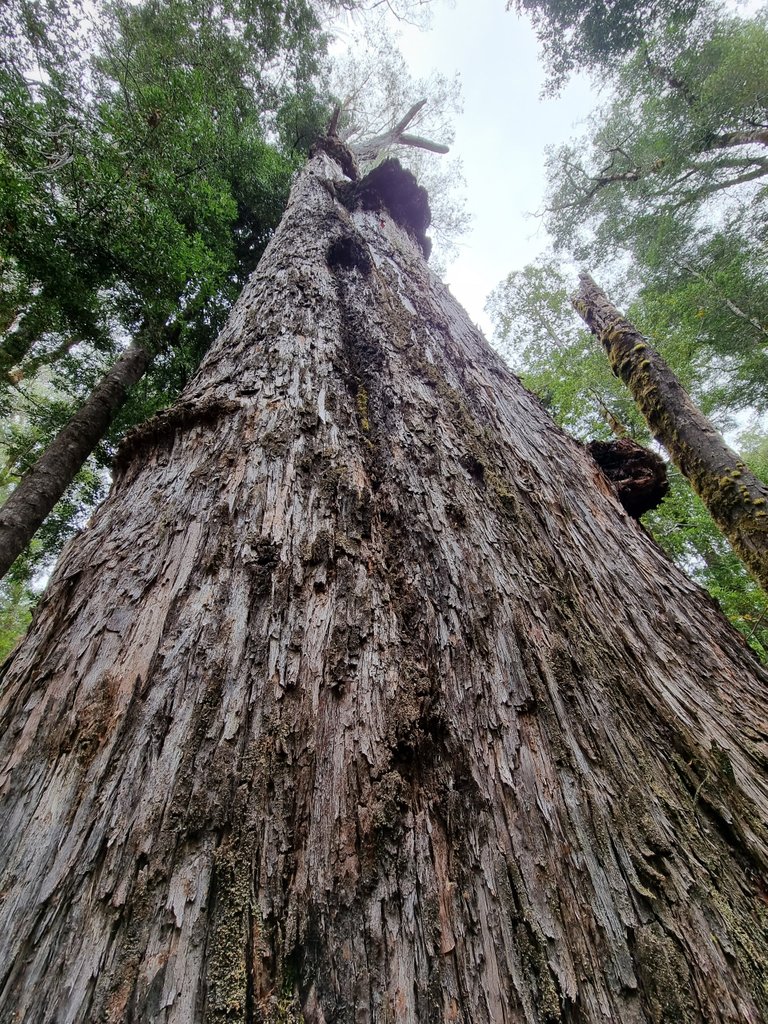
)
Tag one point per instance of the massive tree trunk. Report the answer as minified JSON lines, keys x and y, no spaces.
{"x":736,"y":499}
{"x":362,"y":699}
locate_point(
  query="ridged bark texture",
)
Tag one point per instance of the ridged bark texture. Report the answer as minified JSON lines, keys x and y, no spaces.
{"x":737,"y":500}
{"x":362,"y":699}
{"x":28,"y":505}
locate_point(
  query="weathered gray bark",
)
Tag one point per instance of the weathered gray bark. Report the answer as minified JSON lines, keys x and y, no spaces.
{"x":34,"y":498}
{"x":362,"y":698}
{"x":737,"y":500}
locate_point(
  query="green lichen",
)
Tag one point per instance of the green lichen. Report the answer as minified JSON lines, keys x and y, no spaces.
{"x":286,"y":1008}
{"x":228,"y":971}
{"x":663,"y":972}
{"x":747,"y":944}
{"x":287,"y":1012}
{"x":731,"y":506}
{"x":530,"y":942}
{"x":722,"y":761}
{"x":362,"y":409}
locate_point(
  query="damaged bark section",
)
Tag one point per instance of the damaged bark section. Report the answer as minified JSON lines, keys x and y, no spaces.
{"x":388,"y":187}
{"x":359,"y":704}
{"x":347,"y":253}
{"x":392,"y":188}
{"x":638,"y":474}
{"x":339,"y":153}
{"x":162,"y":428}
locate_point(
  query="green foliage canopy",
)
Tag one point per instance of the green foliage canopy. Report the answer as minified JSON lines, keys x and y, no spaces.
{"x":684,"y":132}
{"x":591,"y":34}
{"x":146,"y":153}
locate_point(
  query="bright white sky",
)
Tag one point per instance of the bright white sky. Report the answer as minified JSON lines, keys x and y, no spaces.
{"x":500,"y":137}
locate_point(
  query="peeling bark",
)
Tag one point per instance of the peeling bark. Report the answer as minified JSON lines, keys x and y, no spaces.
{"x":361,"y":699}
{"x":735,"y":497}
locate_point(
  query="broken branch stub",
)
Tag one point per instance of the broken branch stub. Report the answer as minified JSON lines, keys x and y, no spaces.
{"x":370,"y":149}
{"x":638,"y":474}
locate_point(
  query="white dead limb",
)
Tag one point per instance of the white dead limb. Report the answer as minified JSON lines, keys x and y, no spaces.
{"x":370,"y":149}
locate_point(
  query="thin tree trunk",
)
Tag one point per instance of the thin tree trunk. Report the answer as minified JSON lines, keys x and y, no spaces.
{"x":45,"y":483}
{"x":737,"y":500}
{"x":362,"y":700}
{"x":17,"y":343}
{"x":33,"y":366}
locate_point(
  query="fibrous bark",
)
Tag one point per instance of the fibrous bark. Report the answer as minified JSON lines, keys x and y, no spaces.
{"x":361,"y":699}
{"x":46,"y":481}
{"x":735,"y":497}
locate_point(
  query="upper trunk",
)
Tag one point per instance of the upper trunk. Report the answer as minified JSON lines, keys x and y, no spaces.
{"x":362,"y":698}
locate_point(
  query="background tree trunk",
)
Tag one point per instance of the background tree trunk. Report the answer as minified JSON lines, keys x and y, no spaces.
{"x":737,"y":500}
{"x":45,"y":483}
{"x":362,"y":699}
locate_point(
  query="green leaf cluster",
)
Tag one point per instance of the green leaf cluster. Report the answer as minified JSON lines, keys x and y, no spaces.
{"x":587,"y":35}
{"x":146,"y":153}
{"x":678,"y":153}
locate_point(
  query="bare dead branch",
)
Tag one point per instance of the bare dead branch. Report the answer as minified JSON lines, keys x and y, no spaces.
{"x":736,"y":310}
{"x":758,"y":137}
{"x":333,"y":124}
{"x":403,"y":123}
{"x":369,"y":149}
{"x":421,"y":143}
{"x":708,"y":190}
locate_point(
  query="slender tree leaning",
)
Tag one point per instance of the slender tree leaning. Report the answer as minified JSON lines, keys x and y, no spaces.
{"x":361,"y":698}
{"x":28,"y":505}
{"x":735,"y":497}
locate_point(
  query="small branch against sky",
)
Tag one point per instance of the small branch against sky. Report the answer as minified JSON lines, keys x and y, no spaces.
{"x":372,"y":148}
{"x":385,"y":108}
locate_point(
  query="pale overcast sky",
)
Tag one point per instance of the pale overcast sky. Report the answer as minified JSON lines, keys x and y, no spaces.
{"x":500,"y":137}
